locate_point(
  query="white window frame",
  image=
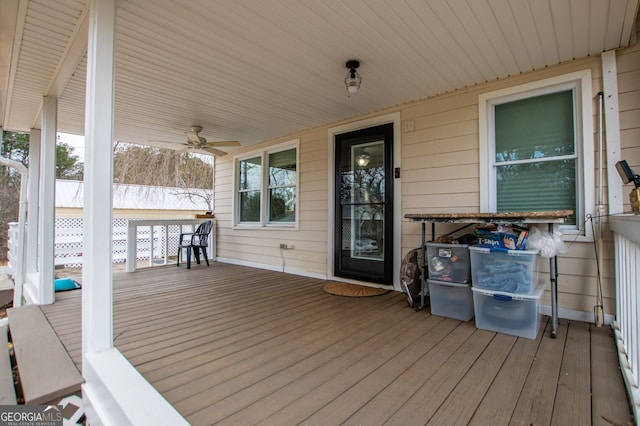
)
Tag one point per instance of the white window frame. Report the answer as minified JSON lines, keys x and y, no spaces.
{"x":580,"y":82}
{"x":264,"y":222}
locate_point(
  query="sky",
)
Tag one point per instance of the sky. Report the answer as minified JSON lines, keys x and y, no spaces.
{"x":77,"y":142}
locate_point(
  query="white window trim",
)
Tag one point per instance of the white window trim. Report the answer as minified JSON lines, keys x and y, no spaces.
{"x":264,"y":185}
{"x":581,"y":81}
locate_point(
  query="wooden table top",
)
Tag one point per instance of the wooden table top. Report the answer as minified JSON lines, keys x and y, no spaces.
{"x":555,"y":216}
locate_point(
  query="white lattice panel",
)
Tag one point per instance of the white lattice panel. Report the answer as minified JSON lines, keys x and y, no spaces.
{"x":69,"y":241}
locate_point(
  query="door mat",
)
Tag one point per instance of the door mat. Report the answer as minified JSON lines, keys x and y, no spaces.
{"x":352,"y":290}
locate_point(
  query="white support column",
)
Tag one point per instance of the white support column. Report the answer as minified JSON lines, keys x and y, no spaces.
{"x":47,"y":198}
{"x":97,"y":300}
{"x":114,"y":392}
{"x":33,"y":196}
{"x":612,"y":130}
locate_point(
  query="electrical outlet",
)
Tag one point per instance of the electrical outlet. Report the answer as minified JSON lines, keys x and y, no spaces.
{"x":286,"y":246}
{"x":283,"y":246}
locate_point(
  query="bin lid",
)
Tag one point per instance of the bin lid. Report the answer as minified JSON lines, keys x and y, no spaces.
{"x":535,"y":294}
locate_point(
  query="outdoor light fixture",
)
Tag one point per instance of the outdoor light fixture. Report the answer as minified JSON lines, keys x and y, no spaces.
{"x":362,"y":160}
{"x":627,"y":175}
{"x":353,"y":79}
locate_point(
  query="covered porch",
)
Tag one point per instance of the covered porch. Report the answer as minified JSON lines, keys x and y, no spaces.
{"x":230,"y":344}
{"x":226,"y":343}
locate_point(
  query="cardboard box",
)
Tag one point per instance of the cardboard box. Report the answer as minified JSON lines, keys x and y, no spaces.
{"x":515,"y":239}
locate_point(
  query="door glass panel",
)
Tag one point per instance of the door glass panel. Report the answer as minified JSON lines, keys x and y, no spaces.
{"x":363,"y":202}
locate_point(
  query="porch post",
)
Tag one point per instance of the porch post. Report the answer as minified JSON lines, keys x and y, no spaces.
{"x":33,"y":195}
{"x":114,"y":392}
{"x":47,"y":199}
{"x":612,"y":130}
{"x":97,"y":300}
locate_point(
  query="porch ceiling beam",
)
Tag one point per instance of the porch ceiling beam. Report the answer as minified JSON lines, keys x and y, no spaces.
{"x":15,"y":53}
{"x":629,"y":23}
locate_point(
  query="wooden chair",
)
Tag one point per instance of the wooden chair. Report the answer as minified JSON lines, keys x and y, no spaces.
{"x":195,"y":241}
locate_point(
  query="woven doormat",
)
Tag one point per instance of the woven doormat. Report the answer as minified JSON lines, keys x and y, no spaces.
{"x":352,"y":290}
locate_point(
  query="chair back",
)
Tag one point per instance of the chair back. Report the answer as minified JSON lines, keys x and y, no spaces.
{"x":202,"y":233}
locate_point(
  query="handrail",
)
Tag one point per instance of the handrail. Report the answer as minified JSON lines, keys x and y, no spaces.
{"x":150,"y":243}
{"x":132,"y":227}
{"x":626,"y":236}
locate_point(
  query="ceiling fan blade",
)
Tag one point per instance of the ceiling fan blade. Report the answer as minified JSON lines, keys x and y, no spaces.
{"x":211,"y":151}
{"x":222,"y":143}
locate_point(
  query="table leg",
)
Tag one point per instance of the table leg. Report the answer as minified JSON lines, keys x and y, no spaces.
{"x":553,"y":276}
{"x":422,"y":266}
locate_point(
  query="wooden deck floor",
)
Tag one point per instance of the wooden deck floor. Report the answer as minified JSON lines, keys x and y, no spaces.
{"x":238,"y":346}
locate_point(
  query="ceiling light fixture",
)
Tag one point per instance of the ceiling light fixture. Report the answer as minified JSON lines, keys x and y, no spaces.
{"x":353,"y":79}
{"x":362,"y":160}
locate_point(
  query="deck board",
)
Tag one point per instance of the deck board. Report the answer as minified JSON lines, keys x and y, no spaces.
{"x":395,"y":395}
{"x":228,"y":344}
{"x":462,"y":402}
{"x":334,"y":378}
{"x":499,"y":402}
{"x":309,"y":352}
{"x":574,"y":384}
{"x":347,"y":390}
{"x":536,"y":401}
{"x":426,"y":401}
{"x":610,"y":404}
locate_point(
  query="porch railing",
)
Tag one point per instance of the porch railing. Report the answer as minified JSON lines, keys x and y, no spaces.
{"x":12,"y":247}
{"x":626,"y":234}
{"x":153,"y":243}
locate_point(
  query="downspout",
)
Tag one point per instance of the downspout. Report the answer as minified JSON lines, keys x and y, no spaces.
{"x":598,"y":311}
{"x":22,"y":215}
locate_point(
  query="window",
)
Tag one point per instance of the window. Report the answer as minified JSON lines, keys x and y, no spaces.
{"x":250,"y":189}
{"x":282,"y":186}
{"x":267,"y":196}
{"x":532,"y":144}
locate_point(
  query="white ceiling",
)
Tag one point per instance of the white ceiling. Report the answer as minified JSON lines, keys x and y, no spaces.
{"x":252,"y":70}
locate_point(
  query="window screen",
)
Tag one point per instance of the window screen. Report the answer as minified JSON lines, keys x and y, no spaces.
{"x":535,"y":154}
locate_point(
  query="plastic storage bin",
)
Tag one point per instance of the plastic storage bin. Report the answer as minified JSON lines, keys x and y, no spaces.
{"x":511,"y":271}
{"x":451,"y":300}
{"x":509,"y":313}
{"x":449,"y":262}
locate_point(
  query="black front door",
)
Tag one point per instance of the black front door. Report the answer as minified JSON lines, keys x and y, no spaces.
{"x":363,"y":205}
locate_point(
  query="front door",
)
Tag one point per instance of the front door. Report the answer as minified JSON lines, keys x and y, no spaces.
{"x":363,"y":205}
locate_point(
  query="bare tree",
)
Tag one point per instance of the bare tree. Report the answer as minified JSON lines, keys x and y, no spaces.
{"x":190,"y":175}
{"x":15,"y":146}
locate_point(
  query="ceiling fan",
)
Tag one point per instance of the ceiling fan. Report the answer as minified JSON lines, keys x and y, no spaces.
{"x":197,"y":143}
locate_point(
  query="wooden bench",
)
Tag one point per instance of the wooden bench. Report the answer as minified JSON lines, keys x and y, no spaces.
{"x":6,"y":290}
{"x":47,"y":373}
{"x":7,"y":389}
